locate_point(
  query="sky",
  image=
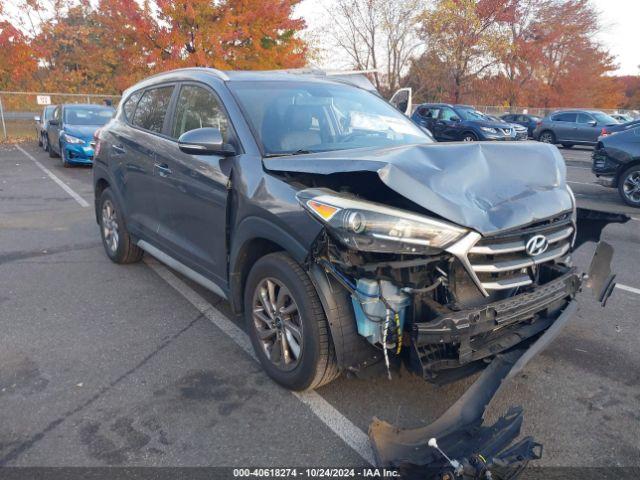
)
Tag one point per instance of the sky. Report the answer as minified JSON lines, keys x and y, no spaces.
{"x":620,"y":32}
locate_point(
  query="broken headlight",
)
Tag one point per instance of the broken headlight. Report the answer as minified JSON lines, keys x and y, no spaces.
{"x":372,"y":227}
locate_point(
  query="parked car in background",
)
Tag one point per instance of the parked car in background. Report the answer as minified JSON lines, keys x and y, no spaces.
{"x":521,"y":132}
{"x":524,"y":119}
{"x":616,"y":163}
{"x":573,"y":127}
{"x":41,"y":124}
{"x":70,"y":131}
{"x":622,"y":117}
{"x":451,"y":123}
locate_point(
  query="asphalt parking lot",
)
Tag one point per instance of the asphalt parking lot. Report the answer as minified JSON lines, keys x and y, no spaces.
{"x":103,"y":364}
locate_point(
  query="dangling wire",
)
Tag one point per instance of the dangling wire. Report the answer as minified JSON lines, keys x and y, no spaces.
{"x":398,"y":333}
{"x":384,"y":342}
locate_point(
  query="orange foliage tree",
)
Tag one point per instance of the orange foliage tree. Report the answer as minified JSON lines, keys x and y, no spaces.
{"x":78,"y":45}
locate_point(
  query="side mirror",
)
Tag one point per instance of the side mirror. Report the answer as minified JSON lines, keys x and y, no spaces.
{"x":37,"y":118}
{"x":455,"y":119}
{"x":205,"y":141}
{"x":54,"y":123}
{"x":593,"y":123}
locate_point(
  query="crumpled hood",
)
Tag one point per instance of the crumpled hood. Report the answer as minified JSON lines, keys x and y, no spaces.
{"x":486,"y":186}
{"x":81,"y":131}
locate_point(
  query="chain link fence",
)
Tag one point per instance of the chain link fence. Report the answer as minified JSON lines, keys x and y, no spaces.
{"x":19,"y":109}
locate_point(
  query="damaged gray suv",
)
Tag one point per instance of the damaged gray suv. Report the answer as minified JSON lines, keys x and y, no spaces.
{"x":348,"y":240}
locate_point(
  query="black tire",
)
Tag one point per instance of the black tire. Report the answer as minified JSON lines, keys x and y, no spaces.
{"x":45,"y":142}
{"x":64,"y":161}
{"x":623,"y":186}
{"x":469,"y":137}
{"x":547,"y":136}
{"x":52,"y":154}
{"x":125,"y":251}
{"x":567,"y":145}
{"x":316,"y":365}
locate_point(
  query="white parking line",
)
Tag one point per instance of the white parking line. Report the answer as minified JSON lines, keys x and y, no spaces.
{"x":583,"y":183}
{"x":52,"y":176}
{"x":327,"y":413}
{"x":581,"y":168}
{"x":627,"y":288}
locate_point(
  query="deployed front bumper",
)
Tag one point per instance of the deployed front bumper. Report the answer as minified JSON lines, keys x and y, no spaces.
{"x":475,"y":451}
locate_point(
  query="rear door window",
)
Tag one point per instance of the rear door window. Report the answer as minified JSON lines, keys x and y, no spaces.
{"x":198,"y":107}
{"x":429,"y":112}
{"x":565,"y":117}
{"x":584,"y":118}
{"x":152,"y":108}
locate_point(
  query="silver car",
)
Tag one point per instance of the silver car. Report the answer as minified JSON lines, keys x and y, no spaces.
{"x":573,"y":127}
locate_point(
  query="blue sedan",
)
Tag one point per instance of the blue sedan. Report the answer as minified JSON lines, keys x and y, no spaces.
{"x":70,"y":132}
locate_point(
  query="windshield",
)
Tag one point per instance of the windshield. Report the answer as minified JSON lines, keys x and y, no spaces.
{"x":94,"y":115}
{"x":604,"y":118}
{"x":306,"y":117}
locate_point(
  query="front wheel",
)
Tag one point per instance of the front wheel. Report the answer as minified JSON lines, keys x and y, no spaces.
{"x":469,"y":137}
{"x":63,"y":158}
{"x":629,"y":186}
{"x":116,"y":240}
{"x":287,"y":325}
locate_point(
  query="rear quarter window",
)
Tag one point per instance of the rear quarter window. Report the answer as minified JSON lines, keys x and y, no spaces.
{"x":129,"y":106}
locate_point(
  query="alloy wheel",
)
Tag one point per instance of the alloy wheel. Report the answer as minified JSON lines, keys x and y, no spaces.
{"x":277,"y":322}
{"x":546,"y":138}
{"x":45,"y":143}
{"x":110,"y":226}
{"x":631,"y":187}
{"x":469,"y":138}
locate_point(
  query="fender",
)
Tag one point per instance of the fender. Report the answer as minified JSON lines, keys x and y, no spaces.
{"x":256,"y":228}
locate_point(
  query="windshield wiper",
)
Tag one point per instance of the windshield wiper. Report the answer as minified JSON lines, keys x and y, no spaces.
{"x":289,"y":154}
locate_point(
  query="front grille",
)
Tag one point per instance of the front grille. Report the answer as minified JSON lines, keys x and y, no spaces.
{"x":501,"y":261}
{"x":505,"y":131}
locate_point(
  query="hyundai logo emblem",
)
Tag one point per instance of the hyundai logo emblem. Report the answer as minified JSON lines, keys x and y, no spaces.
{"x":537,"y":245}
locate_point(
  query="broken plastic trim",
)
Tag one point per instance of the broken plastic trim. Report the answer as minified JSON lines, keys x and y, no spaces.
{"x":460,"y":431}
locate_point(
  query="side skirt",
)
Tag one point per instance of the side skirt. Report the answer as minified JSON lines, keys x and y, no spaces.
{"x":182,"y":268}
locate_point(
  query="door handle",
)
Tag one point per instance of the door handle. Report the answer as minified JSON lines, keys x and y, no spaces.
{"x":118,"y":149}
{"x":162,"y":169}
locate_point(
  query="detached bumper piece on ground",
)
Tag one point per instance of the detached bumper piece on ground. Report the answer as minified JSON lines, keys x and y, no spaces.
{"x":458,"y":445}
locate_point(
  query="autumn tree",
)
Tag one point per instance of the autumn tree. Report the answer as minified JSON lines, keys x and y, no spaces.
{"x":466,"y":37}
{"x":377,"y":35}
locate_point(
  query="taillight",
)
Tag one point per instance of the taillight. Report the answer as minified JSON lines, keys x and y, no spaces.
{"x":603,"y":132}
{"x":538,"y":124}
{"x":96,"y":141}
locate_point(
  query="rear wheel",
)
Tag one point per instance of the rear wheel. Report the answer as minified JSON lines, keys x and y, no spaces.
{"x":116,"y":240}
{"x":547,"y":137}
{"x":45,"y":142}
{"x":287,"y":325}
{"x":629,"y":186}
